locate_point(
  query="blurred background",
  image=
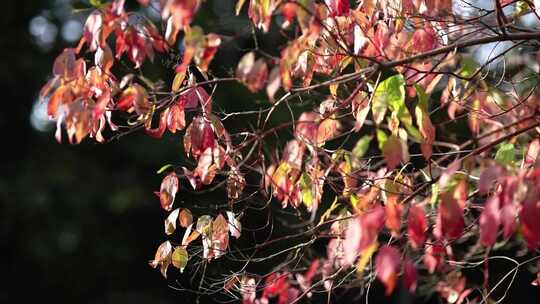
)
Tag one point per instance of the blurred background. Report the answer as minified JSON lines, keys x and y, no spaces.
{"x":79,"y":223}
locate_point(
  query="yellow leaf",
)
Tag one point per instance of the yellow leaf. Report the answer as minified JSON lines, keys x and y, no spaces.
{"x":239,"y":5}
{"x":333,"y":89}
{"x":365,"y":256}
{"x":178,"y":79}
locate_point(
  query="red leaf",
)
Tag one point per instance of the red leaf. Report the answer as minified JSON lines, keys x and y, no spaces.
{"x":253,"y":73}
{"x":288,"y":10}
{"x":433,"y":257}
{"x":387,"y":266}
{"x":393,"y":215}
{"x":201,"y":136}
{"x":361,"y":232}
{"x":276,"y":284}
{"x":488,"y":177}
{"x":134,"y":98}
{"x":424,"y":39}
{"x":182,"y":11}
{"x":212,"y":42}
{"x":338,"y":7}
{"x":410,"y":276}
{"x":417,"y":226}
{"x":508,"y":219}
{"x":450,"y":220}
{"x":530,"y":213}
{"x":490,"y":221}
{"x":158,"y":132}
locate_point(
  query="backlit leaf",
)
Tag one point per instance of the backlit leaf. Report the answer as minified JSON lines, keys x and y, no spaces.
{"x":170,"y":221}
{"x":390,"y":91}
{"x":505,"y":154}
{"x":168,"y":190}
{"x":180,"y":258}
{"x":163,"y":257}
{"x":393,"y":152}
{"x":185,"y":217}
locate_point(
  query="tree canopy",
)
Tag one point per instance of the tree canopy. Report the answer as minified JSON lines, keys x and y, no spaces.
{"x":390,"y":141}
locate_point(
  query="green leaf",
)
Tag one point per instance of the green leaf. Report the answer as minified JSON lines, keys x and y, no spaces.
{"x":305,"y":186}
{"x":434,"y":193}
{"x":194,"y":37}
{"x":468,"y":67}
{"x":422,"y":98}
{"x":96,"y":3}
{"x":180,"y":258}
{"x":362,"y":145}
{"x":354,"y":200}
{"x":506,"y":154}
{"x":204,"y":225}
{"x":381,"y":138}
{"x":388,"y":93}
{"x":162,"y":169}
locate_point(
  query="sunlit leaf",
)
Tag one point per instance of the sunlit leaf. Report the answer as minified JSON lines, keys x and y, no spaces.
{"x":185,"y":217}
{"x":180,"y":258}
{"x":505,"y":154}
{"x":393,"y":152}
{"x":390,"y":91}
{"x":235,"y":227}
{"x":170,"y":222}
{"x":163,"y":257}
{"x":164,"y":168}
{"x":204,"y":224}
{"x":168,"y":190}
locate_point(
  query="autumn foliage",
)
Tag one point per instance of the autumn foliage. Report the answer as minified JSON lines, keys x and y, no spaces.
{"x":400,"y":152}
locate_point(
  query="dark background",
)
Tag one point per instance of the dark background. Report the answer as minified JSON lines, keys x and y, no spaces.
{"x":79,"y":223}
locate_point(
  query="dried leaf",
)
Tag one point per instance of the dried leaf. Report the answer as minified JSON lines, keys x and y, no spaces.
{"x":185,"y":218}
{"x":220,"y":236}
{"x":168,"y":190}
{"x":163,"y":257}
